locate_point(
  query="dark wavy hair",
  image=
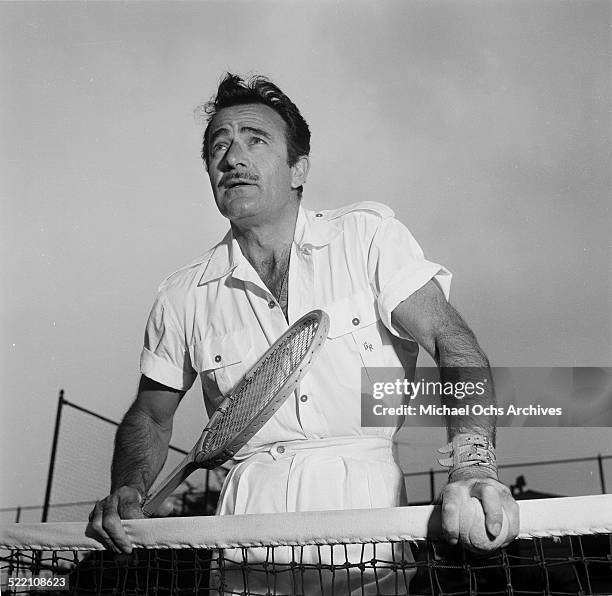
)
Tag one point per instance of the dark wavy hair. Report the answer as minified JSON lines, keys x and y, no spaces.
{"x":234,"y":91}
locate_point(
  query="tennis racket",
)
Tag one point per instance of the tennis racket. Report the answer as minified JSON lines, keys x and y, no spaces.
{"x":261,"y":392}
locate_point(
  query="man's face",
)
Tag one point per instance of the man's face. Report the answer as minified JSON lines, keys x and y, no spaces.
{"x":247,"y":166}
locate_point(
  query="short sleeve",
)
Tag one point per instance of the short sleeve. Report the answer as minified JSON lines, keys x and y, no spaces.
{"x":165,"y":355}
{"x":397,"y":268}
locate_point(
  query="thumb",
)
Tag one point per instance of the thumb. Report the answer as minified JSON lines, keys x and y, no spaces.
{"x":130,"y":510}
{"x":129,"y":503}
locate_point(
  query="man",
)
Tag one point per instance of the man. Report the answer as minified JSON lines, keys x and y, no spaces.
{"x":215,"y":317}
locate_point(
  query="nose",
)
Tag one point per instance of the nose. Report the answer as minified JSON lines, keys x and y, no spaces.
{"x":235,"y":156}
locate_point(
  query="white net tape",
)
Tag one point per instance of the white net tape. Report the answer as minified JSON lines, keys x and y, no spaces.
{"x":571,"y":516}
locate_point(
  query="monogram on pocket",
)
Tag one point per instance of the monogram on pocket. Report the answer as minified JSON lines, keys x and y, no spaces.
{"x":356,"y":319}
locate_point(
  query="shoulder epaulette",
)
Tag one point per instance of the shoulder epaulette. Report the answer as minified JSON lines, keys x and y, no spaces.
{"x":369,"y":206}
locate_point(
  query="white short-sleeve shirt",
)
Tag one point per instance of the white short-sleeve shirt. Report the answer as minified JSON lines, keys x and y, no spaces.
{"x":215,"y":317}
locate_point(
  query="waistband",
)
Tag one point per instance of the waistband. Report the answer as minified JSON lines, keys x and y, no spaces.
{"x":379,"y":448}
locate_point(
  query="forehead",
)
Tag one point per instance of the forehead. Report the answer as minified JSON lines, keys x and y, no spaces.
{"x":250,"y":116}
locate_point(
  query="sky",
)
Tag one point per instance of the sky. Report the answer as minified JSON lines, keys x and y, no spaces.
{"x":484,"y":125}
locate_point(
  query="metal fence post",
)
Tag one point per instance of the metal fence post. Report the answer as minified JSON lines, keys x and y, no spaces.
{"x":58,"y":417}
{"x":432,"y":484}
{"x":602,"y":478}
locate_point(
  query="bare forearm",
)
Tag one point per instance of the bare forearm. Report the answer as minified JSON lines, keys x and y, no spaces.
{"x":141,"y":447}
{"x":427,"y":317}
{"x":461,"y":360}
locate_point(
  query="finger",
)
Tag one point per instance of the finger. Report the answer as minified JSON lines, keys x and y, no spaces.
{"x":130,"y":510}
{"x":95,"y":518}
{"x":451,"y":511}
{"x":513,"y":514}
{"x":111,"y":522}
{"x":492,"y":506}
{"x":129,"y":504}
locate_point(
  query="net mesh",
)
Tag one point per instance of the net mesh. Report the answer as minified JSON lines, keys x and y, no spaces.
{"x":74,"y":462}
{"x":262,"y":385}
{"x":578,"y":566}
{"x":573,"y":556}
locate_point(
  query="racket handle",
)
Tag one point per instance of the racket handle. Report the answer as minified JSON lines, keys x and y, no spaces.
{"x":166,"y":488}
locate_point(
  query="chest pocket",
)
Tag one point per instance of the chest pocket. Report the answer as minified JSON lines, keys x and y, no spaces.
{"x":222,"y":360}
{"x":355,"y":319}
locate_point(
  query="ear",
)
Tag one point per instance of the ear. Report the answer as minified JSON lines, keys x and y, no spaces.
{"x":299,"y":171}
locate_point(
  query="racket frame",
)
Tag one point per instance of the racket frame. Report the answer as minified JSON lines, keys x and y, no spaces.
{"x":198,"y":457}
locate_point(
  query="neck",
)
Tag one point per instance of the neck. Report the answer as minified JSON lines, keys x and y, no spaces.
{"x":268,"y":248}
{"x":267,"y":241}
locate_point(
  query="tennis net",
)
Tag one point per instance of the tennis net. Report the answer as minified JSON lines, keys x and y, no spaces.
{"x":564,"y":547}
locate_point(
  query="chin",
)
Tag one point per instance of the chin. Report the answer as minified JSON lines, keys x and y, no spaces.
{"x":241,"y":207}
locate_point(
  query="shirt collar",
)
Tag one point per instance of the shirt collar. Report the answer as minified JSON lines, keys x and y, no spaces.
{"x":224,"y":259}
{"x":311,"y":230}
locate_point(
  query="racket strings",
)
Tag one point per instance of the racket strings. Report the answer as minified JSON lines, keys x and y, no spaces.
{"x":263,"y":384}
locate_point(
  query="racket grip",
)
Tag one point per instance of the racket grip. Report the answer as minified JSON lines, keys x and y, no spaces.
{"x":166,"y":488}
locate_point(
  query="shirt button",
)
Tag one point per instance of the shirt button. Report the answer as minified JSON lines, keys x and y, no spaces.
{"x":303,"y":398}
{"x":355,"y":321}
{"x":318,"y":215}
{"x":271,"y":304}
{"x":280,"y":449}
{"x":217,"y":358}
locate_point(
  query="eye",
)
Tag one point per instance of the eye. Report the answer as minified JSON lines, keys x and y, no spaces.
{"x":217,"y":148}
{"x":257,"y":141}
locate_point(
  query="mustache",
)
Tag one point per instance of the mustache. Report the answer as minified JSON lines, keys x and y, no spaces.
{"x":237,"y":178}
